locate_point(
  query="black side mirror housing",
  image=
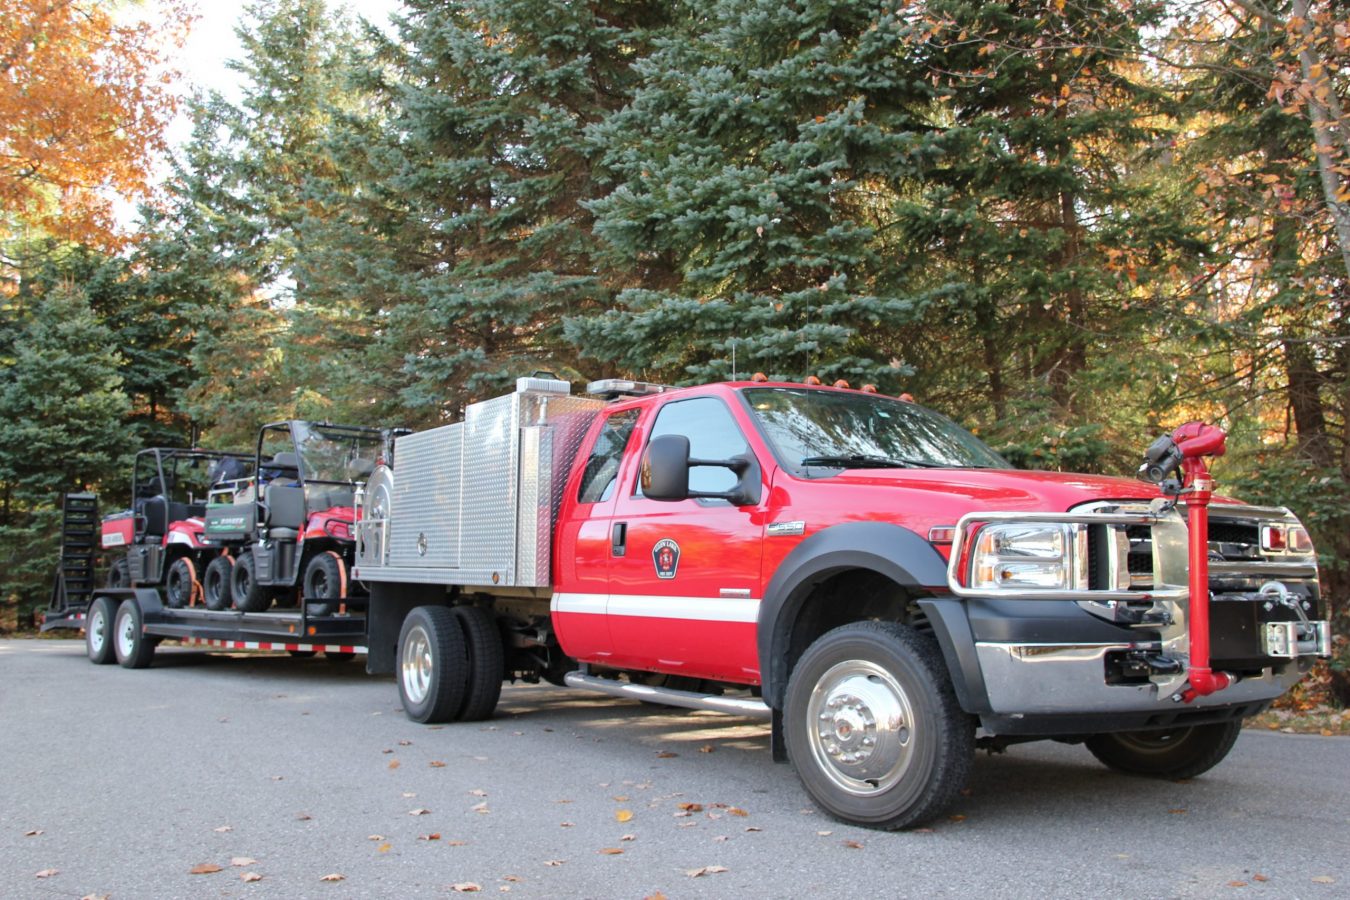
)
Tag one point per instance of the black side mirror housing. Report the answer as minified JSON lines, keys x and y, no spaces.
{"x":665,"y":473}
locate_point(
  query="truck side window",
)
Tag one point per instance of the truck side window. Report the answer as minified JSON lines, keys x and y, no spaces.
{"x":597,"y":481}
{"x":712,"y":433}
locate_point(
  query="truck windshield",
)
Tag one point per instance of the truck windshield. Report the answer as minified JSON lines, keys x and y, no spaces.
{"x":336,"y":454}
{"x":840,"y":430}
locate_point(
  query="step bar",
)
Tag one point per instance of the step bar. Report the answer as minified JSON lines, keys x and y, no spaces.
{"x":735,"y":706}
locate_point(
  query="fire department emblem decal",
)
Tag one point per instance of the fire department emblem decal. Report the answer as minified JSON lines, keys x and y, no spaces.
{"x":666,"y":556}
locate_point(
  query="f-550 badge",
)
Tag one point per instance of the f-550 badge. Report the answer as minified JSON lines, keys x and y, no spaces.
{"x":666,"y":556}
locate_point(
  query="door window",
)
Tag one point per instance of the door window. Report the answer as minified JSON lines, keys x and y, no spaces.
{"x":712,"y":433}
{"x":602,"y":468}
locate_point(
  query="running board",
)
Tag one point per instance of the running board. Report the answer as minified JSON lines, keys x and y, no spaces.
{"x":735,"y":706}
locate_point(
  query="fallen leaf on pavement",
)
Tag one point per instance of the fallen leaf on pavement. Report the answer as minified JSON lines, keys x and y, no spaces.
{"x":48,"y":873}
{"x":566,"y":824}
{"x":434,"y":836}
{"x":477,"y":792}
{"x":466,"y":887}
{"x":753,"y":828}
{"x":957,"y":818}
{"x":384,"y":848}
{"x":420,"y":811}
{"x":1259,"y":877}
{"x":242,"y":862}
{"x":456,"y":843}
{"x":706,"y":870}
{"x":1237,"y":884}
{"x":437,"y":764}
{"x":303,"y":817}
{"x":657,"y":896}
{"x":375,"y":837}
{"x":706,"y":748}
{"x":394,"y":764}
{"x":34,"y":833}
{"x":481,"y":808}
{"x":692,"y":807}
{"x":1323,"y":879}
{"x":250,"y":877}
{"x":666,"y":754}
{"x":611,"y":851}
{"x":824,"y":833}
{"x":334,"y":877}
{"x":405,"y":743}
{"x":224,"y":828}
{"x":512,"y":878}
{"x":737,"y":811}
{"x":628,"y":837}
{"x":204,"y":869}
{"x":553,"y":862}
{"x":623,"y":815}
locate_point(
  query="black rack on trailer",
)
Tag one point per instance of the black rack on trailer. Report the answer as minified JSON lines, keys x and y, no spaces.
{"x":124,"y":625}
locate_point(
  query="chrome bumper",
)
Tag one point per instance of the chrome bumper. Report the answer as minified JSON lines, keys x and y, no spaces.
{"x":1035,"y":679}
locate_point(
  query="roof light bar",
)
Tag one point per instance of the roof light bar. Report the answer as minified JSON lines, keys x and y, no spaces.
{"x":610,"y":388}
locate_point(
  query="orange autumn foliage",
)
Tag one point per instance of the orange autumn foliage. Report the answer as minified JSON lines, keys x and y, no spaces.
{"x":84,"y":100}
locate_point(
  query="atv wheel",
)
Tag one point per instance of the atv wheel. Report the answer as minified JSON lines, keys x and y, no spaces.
{"x":248,"y":595}
{"x":325,"y":579}
{"x":180,"y":583}
{"x":216,"y":584}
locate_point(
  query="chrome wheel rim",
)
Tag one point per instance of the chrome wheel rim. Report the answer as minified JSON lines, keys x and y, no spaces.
{"x":416,"y":668}
{"x":126,"y":636}
{"x":98,"y":631}
{"x":860,"y":726}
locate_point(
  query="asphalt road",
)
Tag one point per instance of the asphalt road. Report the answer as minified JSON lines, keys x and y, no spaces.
{"x":307,"y":768}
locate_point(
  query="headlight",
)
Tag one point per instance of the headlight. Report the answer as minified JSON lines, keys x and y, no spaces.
{"x":1029,"y":556}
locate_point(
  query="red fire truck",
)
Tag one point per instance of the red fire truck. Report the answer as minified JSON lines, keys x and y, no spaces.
{"x":857,"y":569}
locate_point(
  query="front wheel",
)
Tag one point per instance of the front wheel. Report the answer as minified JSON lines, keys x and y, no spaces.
{"x":134,"y":648}
{"x":325,"y":579}
{"x":433,"y":665}
{"x":98,"y":631}
{"x":873,"y":726}
{"x":1171,"y":753}
{"x":180,"y":583}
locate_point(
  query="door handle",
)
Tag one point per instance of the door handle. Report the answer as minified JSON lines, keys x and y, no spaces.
{"x":618,"y":539}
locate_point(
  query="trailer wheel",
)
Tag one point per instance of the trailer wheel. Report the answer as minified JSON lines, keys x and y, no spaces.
{"x":1171,"y":753}
{"x":179,"y":583}
{"x":119,"y":573}
{"x":486,"y":662}
{"x":873,"y":726}
{"x":325,"y":579}
{"x":98,"y":630}
{"x":216,"y":583}
{"x":339,"y":656}
{"x":433,"y":665}
{"x":248,"y":595}
{"x":134,"y":647}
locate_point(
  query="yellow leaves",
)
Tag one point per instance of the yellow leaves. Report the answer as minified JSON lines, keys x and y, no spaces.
{"x":204,"y":869}
{"x":82,"y":114}
{"x":706,"y":870}
{"x":250,"y":877}
{"x":623,"y":815}
{"x":334,"y":876}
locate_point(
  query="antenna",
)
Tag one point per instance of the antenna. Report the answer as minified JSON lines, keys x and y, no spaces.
{"x":733,"y":359}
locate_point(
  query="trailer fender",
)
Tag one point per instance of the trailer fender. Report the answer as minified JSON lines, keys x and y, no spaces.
{"x":889,"y":550}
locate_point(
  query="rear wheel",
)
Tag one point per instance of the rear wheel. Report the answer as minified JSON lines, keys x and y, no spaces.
{"x":98,"y":630}
{"x":216,"y":583}
{"x":339,"y":656}
{"x":486,"y":660}
{"x":873,"y":727}
{"x":1171,"y":753}
{"x":180,"y":583}
{"x":119,"y":573}
{"x":134,"y":648}
{"x":433,"y":665}
{"x":325,"y":579}
{"x":248,"y":595}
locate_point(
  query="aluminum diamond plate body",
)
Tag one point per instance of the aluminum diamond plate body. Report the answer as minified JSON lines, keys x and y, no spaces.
{"x":474,"y":503}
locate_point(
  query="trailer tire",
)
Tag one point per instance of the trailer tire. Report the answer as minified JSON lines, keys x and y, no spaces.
{"x":216,"y":583}
{"x":486,"y":662}
{"x":873,"y":726}
{"x":433,"y":665}
{"x":134,"y":647}
{"x":325,"y":579}
{"x":339,"y":656}
{"x":180,"y":583}
{"x":247,"y":594}
{"x":1172,"y":753}
{"x":98,"y":631}
{"x":119,"y":573}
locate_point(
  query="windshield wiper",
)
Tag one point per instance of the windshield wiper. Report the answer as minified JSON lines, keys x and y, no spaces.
{"x":861,"y":461}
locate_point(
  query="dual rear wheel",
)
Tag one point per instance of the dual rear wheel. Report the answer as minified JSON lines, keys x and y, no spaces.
{"x":450,"y":664}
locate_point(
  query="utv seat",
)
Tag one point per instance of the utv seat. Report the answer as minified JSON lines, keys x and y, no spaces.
{"x":285,"y":512}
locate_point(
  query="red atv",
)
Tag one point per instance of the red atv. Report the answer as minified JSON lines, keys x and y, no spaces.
{"x":163,"y":532}
{"x":290,"y":526}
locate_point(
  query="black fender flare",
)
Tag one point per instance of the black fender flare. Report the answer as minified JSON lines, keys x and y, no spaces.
{"x":889,"y":550}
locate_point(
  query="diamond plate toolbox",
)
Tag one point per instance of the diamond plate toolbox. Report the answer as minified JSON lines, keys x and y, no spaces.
{"x":474,"y":503}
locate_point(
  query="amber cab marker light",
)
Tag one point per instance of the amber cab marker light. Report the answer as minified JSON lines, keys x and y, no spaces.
{"x":812,"y":380}
{"x":942,"y":534}
{"x":868,"y":389}
{"x":841,"y":383}
{"x":907,"y":397}
{"x":759,"y":377}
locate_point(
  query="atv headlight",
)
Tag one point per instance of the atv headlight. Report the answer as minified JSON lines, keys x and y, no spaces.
{"x":1030,"y":555}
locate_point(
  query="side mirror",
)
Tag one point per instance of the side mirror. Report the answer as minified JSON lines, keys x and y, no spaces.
{"x":665,"y":473}
{"x":665,"y":468}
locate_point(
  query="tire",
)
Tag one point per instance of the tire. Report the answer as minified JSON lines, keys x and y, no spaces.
{"x":1173,"y":753}
{"x":216,"y":583}
{"x":339,"y":656}
{"x":303,"y":654}
{"x":433,"y":665}
{"x":98,"y":631}
{"x":134,"y":648}
{"x":486,"y":662}
{"x":180,"y":583}
{"x":119,"y":573}
{"x":247,"y":594}
{"x":846,"y":682}
{"x":325,"y":578}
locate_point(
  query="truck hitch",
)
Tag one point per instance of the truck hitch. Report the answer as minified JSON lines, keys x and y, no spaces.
{"x":1186,"y":449}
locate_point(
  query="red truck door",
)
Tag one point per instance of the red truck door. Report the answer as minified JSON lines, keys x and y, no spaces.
{"x":684,"y":577}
